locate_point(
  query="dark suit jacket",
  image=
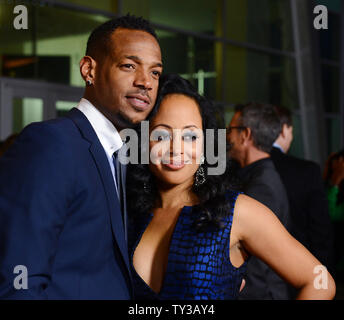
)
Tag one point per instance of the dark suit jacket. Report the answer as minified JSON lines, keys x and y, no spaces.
{"x":60,"y":215}
{"x":310,"y":218}
{"x":262,"y":182}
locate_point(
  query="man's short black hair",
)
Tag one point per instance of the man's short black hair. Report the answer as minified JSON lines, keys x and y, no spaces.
{"x":285,"y":116}
{"x":99,"y":40}
{"x":263,"y":121}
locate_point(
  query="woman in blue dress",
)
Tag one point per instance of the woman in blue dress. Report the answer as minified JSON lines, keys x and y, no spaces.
{"x":190,"y":234}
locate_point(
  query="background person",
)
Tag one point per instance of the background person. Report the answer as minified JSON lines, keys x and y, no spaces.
{"x":250,"y":134}
{"x":310,"y":220}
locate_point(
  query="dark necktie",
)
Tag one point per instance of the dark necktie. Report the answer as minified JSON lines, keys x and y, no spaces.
{"x":120,"y":186}
{"x":118,"y":176}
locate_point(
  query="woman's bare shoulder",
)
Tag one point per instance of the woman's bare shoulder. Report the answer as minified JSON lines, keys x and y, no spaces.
{"x":249,"y":212}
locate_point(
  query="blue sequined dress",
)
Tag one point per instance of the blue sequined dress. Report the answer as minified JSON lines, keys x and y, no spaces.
{"x":198,"y":266}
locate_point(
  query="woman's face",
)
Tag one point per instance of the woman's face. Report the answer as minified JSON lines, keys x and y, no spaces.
{"x":176,"y":140}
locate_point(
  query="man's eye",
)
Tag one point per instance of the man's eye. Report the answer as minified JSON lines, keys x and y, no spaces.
{"x":156,"y":74}
{"x":128,"y":66}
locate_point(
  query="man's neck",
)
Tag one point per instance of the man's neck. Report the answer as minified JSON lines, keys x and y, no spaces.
{"x":254,"y":155}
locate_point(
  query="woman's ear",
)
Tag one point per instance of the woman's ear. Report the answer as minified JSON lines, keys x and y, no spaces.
{"x":88,"y":69}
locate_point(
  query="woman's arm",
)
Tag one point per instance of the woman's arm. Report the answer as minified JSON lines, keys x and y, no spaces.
{"x":261,"y":234}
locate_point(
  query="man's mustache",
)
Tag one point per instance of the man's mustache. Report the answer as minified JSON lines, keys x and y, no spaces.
{"x":141,"y":92}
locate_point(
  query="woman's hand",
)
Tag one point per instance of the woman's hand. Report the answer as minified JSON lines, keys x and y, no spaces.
{"x":262,"y":234}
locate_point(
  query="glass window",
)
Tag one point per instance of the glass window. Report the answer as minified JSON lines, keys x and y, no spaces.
{"x":263,"y":22}
{"x":61,"y":45}
{"x":334,"y":5}
{"x":106,"y":5}
{"x":330,"y":84}
{"x":26,"y":111}
{"x":194,"y":59}
{"x":17,"y":46}
{"x":296,"y":148}
{"x":50,"y":50}
{"x":329,"y":39}
{"x":228,"y":114}
{"x":333,"y":135}
{"x":252,"y":76}
{"x":63,"y":107}
{"x":194,"y":15}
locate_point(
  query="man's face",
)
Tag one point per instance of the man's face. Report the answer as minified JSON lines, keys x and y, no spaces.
{"x":234,"y":138}
{"x":127,"y":79}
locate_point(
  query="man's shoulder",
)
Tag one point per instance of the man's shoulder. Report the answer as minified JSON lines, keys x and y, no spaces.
{"x":301,"y":165}
{"x":46,"y":140}
{"x":60,"y":129}
{"x":265,"y":176}
{"x":292,"y":164}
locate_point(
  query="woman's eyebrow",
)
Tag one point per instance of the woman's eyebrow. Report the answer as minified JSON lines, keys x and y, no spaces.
{"x":162,"y":125}
{"x":191,"y":126}
{"x":169,"y":127}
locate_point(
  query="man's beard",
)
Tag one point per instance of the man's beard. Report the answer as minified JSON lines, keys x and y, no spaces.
{"x":124,"y":122}
{"x":230,"y":148}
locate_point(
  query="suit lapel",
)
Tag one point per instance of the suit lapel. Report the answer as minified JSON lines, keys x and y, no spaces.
{"x":104,"y":170}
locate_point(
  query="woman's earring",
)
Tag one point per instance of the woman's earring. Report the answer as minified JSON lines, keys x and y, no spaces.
{"x":200,"y":176}
{"x":89,"y":82}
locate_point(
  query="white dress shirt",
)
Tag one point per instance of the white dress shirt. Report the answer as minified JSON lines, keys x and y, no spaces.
{"x":276,"y":145}
{"x":105,"y":130}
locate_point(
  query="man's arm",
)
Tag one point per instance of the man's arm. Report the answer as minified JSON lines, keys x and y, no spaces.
{"x":34,"y":185}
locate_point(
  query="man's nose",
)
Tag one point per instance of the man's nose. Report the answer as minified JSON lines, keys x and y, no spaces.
{"x":143,"y":80}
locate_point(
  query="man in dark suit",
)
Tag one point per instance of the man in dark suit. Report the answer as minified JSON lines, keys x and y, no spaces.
{"x":62,"y":207}
{"x":310,"y":220}
{"x":251,"y":133}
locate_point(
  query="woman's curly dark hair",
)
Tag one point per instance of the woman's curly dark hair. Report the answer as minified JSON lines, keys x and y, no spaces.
{"x":142,"y":192}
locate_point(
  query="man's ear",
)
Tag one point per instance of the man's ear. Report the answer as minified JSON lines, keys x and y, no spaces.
{"x":283,"y":131}
{"x":246,"y":135}
{"x":88,"y":69}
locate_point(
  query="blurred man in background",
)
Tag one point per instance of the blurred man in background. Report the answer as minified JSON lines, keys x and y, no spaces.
{"x":310,"y":221}
{"x":250,"y":135}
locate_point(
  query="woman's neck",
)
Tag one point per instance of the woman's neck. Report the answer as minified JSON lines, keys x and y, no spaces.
{"x":176,"y":196}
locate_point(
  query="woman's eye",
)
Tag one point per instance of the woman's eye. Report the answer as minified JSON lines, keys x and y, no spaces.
{"x":190,"y":137}
{"x":160,"y":136}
